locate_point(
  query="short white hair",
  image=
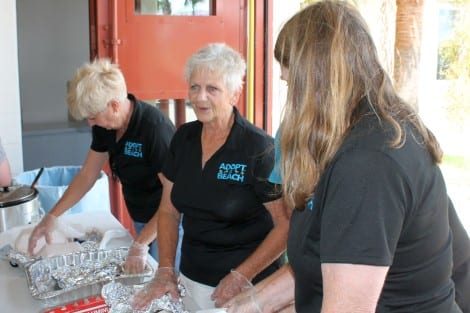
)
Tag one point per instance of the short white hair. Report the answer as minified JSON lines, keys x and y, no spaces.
{"x":220,"y":59}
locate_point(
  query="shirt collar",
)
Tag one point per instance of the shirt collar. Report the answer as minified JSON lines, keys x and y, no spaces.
{"x":238,"y":128}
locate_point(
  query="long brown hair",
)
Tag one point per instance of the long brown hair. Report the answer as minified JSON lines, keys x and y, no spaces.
{"x":333,"y":64}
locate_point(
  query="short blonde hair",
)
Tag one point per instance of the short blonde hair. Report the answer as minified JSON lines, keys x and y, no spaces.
{"x":93,"y":86}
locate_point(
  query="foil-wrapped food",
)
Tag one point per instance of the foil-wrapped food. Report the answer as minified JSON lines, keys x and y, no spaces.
{"x":89,"y":241}
{"x":77,"y":275}
{"x":118,"y":297}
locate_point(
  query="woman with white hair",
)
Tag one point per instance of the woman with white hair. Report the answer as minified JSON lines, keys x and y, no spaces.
{"x":235,"y":224}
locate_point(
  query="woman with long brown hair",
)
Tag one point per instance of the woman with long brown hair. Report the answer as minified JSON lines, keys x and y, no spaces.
{"x":370,"y":232}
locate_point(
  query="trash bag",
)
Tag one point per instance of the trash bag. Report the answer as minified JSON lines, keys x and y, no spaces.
{"x":55,"y":180}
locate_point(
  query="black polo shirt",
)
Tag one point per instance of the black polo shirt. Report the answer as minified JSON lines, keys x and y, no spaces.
{"x":224,"y":216}
{"x":138,"y":157}
{"x":377,"y":205}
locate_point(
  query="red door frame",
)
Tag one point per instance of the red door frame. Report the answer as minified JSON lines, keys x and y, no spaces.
{"x":263,"y":65}
{"x":104,"y":43}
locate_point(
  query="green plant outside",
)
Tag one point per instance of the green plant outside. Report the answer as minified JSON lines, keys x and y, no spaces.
{"x":454,"y":54}
{"x":457,"y":161}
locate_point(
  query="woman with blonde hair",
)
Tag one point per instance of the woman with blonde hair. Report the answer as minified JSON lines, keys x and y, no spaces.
{"x":377,"y":236}
{"x":133,"y":135}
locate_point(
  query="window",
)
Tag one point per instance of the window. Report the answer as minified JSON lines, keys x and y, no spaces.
{"x":174,"y":7}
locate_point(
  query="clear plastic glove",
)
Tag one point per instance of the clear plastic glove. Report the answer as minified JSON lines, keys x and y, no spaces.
{"x":136,"y":258}
{"x":230,"y":286}
{"x":245,"y":302}
{"x":164,"y":282}
{"x":45,"y":228}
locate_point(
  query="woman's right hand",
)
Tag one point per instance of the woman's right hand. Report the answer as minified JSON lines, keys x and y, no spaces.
{"x":164,"y":282}
{"x":44,"y":229}
{"x":244,"y":302}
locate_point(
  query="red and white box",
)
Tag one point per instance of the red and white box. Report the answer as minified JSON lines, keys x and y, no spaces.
{"x":94,"y":304}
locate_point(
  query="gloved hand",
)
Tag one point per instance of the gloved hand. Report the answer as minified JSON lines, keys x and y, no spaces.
{"x":136,"y":258}
{"x":164,"y":282}
{"x":44,"y":229}
{"x":230,"y":286}
{"x":245,"y":302}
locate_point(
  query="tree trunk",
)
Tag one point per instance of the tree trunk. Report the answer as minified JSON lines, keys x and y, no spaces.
{"x":409,"y":24}
{"x":380,"y":16}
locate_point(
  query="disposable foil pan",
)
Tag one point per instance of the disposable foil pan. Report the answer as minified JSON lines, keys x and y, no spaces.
{"x":53,"y":294}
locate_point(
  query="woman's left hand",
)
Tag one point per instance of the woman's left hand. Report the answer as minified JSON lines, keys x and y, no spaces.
{"x":136,"y":258}
{"x":230,"y":286}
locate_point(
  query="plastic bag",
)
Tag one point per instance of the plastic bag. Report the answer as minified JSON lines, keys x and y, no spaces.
{"x":55,"y":180}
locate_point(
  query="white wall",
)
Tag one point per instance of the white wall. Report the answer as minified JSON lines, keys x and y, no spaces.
{"x":53,"y":40}
{"x":282,"y":11}
{"x":10,"y":111}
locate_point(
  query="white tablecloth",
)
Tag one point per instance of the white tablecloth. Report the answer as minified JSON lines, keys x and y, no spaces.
{"x":15,"y":296}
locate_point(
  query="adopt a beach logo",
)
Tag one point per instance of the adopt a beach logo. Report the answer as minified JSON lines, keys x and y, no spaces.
{"x":133,"y":149}
{"x":232,"y":171}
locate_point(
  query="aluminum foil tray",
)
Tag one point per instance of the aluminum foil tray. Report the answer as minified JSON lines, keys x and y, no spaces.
{"x":78,"y":275}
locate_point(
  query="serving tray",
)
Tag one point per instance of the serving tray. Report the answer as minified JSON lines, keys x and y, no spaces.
{"x":44,"y":285}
